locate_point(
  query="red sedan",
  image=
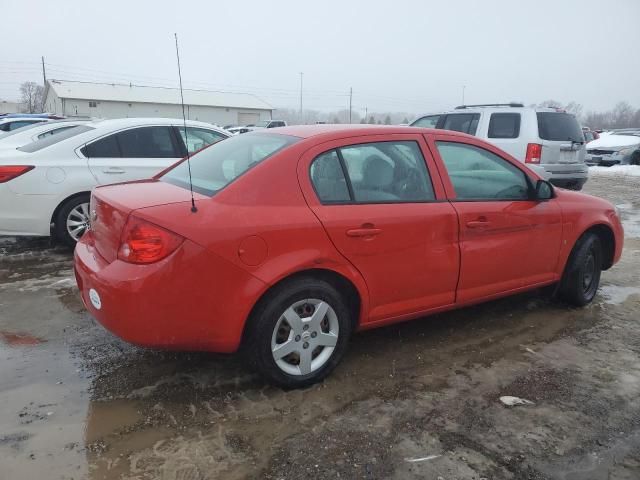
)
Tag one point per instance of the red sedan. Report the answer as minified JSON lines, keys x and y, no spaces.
{"x":303,"y":235}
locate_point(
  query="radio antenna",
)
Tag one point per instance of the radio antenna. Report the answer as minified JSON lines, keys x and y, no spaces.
{"x":186,"y":135}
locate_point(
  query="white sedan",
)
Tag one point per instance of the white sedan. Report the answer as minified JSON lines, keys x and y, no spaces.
{"x":37,"y":131}
{"x":45,"y":185}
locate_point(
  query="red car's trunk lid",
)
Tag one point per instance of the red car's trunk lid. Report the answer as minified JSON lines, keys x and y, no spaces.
{"x":111,"y":206}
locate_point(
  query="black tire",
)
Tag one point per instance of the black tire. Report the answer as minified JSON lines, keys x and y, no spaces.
{"x":635,"y":159}
{"x":581,"y":276}
{"x":61,"y":231}
{"x":260,"y":330}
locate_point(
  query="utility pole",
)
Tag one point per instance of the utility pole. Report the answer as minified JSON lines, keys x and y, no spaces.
{"x":350,"y":102}
{"x":365,"y":115}
{"x":44,"y":74}
{"x":300,"y":97}
{"x":463,"y":87}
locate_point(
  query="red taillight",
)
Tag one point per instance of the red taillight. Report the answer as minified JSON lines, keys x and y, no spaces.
{"x":534,"y":152}
{"x":144,"y":242}
{"x":9,"y":172}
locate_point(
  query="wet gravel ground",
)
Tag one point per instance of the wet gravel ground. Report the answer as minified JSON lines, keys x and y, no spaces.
{"x":417,"y":400}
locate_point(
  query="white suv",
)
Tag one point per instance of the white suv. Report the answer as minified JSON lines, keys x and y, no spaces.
{"x":549,"y":140}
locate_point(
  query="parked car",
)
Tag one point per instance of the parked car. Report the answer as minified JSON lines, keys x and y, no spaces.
{"x":302,"y":235}
{"x":618,"y":148}
{"x":36,"y":131}
{"x":45,"y":185}
{"x":589,"y":135}
{"x":548,"y":139}
{"x":268,"y":124}
{"x":238,"y":130}
{"x":49,"y":116}
{"x":8,"y":124}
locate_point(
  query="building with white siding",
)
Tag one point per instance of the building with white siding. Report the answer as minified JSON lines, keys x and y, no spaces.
{"x":113,"y":100}
{"x":10,"y":107}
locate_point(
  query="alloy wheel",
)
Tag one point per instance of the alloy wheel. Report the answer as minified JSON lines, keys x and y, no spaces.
{"x":305,"y":337}
{"x":78,"y":221}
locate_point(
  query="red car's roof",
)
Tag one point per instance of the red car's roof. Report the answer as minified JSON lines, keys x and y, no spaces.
{"x":337,"y":130}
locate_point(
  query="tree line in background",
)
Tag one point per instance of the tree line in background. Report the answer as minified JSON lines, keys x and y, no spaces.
{"x":623,"y":115}
{"x":293,"y":117}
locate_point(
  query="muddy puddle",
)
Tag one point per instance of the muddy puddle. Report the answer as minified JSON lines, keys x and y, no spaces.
{"x":417,"y":400}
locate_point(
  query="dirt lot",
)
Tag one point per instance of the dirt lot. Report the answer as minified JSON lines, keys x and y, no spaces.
{"x":417,"y":400}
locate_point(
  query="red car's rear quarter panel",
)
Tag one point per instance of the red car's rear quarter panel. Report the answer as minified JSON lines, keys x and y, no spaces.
{"x":190,"y":300}
{"x":262,"y":225}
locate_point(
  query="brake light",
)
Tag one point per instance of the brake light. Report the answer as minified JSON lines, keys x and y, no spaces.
{"x":534,"y":153}
{"x":9,"y":172}
{"x":143,"y":242}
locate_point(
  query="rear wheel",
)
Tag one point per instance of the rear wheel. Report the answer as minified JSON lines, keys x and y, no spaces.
{"x":72,"y":220}
{"x":581,"y":277}
{"x":635,"y":159}
{"x":299,"y":333}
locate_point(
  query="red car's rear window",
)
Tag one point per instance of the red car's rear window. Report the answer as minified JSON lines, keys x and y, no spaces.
{"x":218,"y":165}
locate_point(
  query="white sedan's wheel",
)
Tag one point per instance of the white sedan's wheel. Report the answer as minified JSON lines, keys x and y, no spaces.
{"x":72,"y":219}
{"x":305,"y":336}
{"x":78,"y":221}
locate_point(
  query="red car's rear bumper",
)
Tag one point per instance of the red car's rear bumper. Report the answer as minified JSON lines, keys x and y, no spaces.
{"x":191,"y":300}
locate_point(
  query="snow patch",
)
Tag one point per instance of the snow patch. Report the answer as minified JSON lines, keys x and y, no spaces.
{"x":614,"y":141}
{"x":616,"y":295}
{"x":616,"y":170}
{"x":510,"y":401}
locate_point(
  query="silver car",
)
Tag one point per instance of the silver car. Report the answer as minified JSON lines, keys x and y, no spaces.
{"x":616,"y":148}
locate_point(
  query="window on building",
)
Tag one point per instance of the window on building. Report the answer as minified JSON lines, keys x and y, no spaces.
{"x":93,"y":104}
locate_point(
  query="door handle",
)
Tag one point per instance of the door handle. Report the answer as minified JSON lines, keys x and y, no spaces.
{"x":363,"y":232}
{"x":113,"y":170}
{"x":478,"y":224}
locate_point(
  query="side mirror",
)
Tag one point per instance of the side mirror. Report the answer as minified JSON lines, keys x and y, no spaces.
{"x":544,"y":190}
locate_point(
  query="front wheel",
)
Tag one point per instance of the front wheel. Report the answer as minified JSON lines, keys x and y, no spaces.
{"x":581,"y":277}
{"x":72,"y":220}
{"x":299,"y":333}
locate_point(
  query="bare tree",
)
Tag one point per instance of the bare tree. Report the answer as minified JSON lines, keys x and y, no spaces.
{"x":575,"y":108}
{"x":550,"y":104}
{"x":622,"y":115}
{"x":32,"y":97}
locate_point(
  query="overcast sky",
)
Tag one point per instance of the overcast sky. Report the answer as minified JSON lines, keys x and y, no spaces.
{"x":412,"y":56}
